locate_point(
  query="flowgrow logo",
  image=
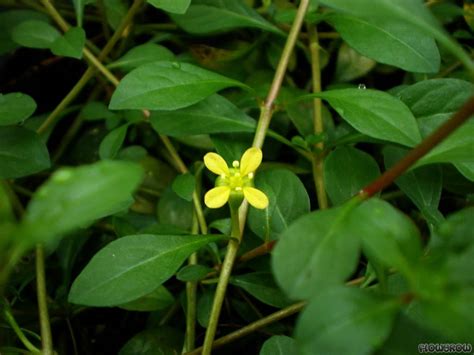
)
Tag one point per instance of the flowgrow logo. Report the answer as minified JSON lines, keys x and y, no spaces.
{"x":441,"y":348}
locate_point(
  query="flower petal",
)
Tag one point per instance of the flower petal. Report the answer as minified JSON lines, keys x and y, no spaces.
{"x":217,"y":197}
{"x":250,"y":161}
{"x":256,"y":197}
{"x":215,"y":163}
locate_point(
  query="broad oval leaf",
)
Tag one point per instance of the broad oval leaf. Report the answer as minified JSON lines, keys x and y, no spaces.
{"x":35,"y":34}
{"x":361,"y":318}
{"x":172,"y":6}
{"x":210,"y":16}
{"x":167,"y":86}
{"x":374,"y":113}
{"x":389,"y":41}
{"x":142,"y":54}
{"x":22,"y":153}
{"x":346,"y":171}
{"x":74,"y":197}
{"x":70,"y":44}
{"x":279,"y":345}
{"x":262,"y":286}
{"x":15,"y":107}
{"x":288,"y":200}
{"x":318,"y":250}
{"x":215,"y":114}
{"x":133,"y":266}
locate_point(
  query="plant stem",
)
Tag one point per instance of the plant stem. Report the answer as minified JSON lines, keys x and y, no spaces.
{"x":266,"y":109}
{"x":16,"y":328}
{"x":272,"y":318}
{"x":461,"y":116}
{"x":46,"y":337}
{"x":89,"y":73}
{"x":318,"y":157}
{"x":191,"y":288}
{"x":183,"y":170}
{"x":224,"y":276}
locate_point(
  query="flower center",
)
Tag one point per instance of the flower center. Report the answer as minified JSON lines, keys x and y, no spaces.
{"x":235,"y":180}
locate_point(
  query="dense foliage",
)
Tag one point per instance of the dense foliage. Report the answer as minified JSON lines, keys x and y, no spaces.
{"x":112,"y":235}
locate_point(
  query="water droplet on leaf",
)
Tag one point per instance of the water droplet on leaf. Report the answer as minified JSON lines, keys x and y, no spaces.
{"x":361,"y":87}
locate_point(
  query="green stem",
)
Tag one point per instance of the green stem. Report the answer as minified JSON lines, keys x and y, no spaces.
{"x":224,"y":277}
{"x":272,"y":318}
{"x":318,"y":158}
{"x":266,"y":109}
{"x":191,"y":288}
{"x":16,"y":328}
{"x":89,"y":73}
{"x":46,"y":337}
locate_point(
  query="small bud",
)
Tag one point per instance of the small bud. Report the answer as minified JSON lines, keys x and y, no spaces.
{"x":235,"y":163}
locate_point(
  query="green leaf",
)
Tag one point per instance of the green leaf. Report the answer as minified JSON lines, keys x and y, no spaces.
{"x":132,"y":267}
{"x":9,"y":20}
{"x":279,"y":345}
{"x":412,"y":14}
{"x":156,"y":300}
{"x":288,"y":200}
{"x":142,"y":54}
{"x":193,"y":272}
{"x":173,"y":6}
{"x":389,"y":41}
{"x":175,"y":211}
{"x":215,"y":114}
{"x":341,"y":185}
{"x":204,"y":307}
{"x":115,"y":11}
{"x":436,"y":96}
{"x":112,"y":142}
{"x":96,"y":110}
{"x":15,"y":107}
{"x":466,"y":169}
{"x":184,"y":186}
{"x":158,"y":341}
{"x":433,"y":102}
{"x":317,"y":251}
{"x":457,"y":148}
{"x":75,"y":197}
{"x":79,"y":9}
{"x":22,"y":153}
{"x":210,"y":16}
{"x":374,"y":113}
{"x":361,"y":318}
{"x":35,"y":34}
{"x":167,"y":86}
{"x":451,"y":316}
{"x":422,"y":185}
{"x":70,"y":44}
{"x":262,"y":286}
{"x":456,"y":233}
{"x":387,"y":235}
{"x":351,"y":65}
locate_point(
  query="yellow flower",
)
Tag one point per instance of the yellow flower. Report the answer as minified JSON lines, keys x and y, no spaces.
{"x":235,"y":181}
